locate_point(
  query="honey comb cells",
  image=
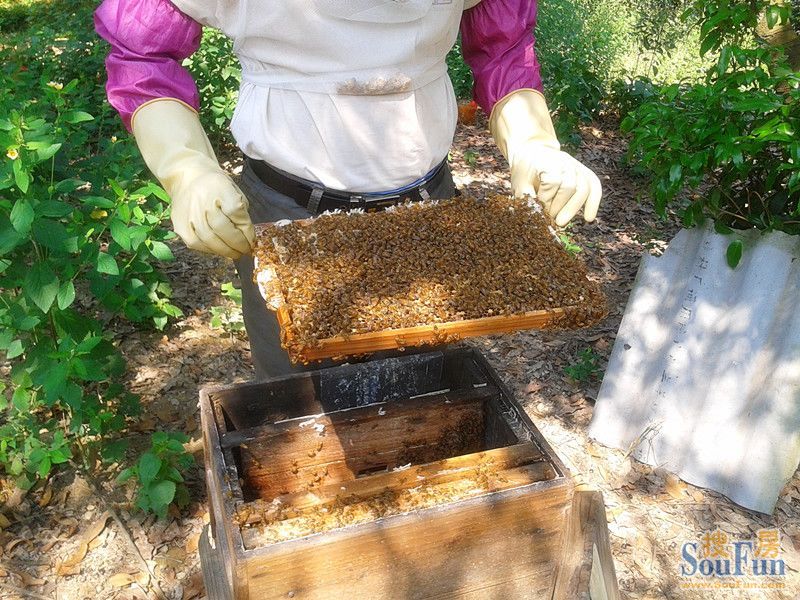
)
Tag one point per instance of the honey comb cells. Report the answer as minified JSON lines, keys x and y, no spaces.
{"x":420,"y":264}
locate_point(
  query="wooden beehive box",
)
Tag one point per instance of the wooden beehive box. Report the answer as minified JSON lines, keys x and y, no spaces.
{"x":409,"y":477}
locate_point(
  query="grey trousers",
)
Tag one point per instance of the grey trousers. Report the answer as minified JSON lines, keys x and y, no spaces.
{"x":266,"y":206}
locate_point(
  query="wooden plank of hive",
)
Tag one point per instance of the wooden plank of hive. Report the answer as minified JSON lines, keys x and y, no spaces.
{"x":514,"y":415}
{"x":390,"y":339}
{"x":220,"y":487}
{"x":251,"y":404}
{"x":501,"y":546}
{"x":434,"y":473}
{"x":212,"y":563}
{"x":586,"y":561}
{"x":390,"y":501}
{"x":338,"y":446}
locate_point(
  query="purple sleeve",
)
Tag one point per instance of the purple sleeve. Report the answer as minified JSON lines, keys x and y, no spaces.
{"x":497,"y":41}
{"x":149,"y":40}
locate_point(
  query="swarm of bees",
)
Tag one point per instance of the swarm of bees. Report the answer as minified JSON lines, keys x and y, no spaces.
{"x":423,"y":263}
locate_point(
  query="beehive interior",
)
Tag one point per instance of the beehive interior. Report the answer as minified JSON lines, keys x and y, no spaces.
{"x":375,"y":440}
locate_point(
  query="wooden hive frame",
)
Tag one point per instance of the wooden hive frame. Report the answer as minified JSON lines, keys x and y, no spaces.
{"x":506,"y":540}
{"x":429,"y":334}
{"x":391,"y":339}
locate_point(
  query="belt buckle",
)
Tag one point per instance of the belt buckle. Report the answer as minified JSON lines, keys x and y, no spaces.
{"x":374,"y":204}
{"x":382,"y":202}
{"x":357,"y":201}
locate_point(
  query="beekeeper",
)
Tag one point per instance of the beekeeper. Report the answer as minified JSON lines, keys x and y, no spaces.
{"x":343,"y":104}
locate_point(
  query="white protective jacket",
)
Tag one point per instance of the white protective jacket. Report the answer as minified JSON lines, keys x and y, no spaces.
{"x":312,"y":106}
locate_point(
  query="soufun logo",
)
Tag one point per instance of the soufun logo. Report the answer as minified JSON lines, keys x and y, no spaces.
{"x":717,"y":561}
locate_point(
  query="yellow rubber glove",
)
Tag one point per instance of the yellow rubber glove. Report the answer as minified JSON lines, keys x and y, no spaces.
{"x":520,"y":124}
{"x":209,"y":212}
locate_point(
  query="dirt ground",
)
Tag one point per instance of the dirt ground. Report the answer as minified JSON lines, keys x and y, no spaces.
{"x":69,"y":539}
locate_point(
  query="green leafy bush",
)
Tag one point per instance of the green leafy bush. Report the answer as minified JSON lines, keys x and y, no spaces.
{"x":74,"y":253}
{"x":586,"y":366}
{"x":158,"y":473}
{"x":229,"y":317}
{"x":628,"y":95}
{"x":460,"y":73}
{"x":81,"y":239}
{"x":732,"y":139}
{"x":218,"y":75}
{"x":664,"y":45}
{"x":578,"y":43}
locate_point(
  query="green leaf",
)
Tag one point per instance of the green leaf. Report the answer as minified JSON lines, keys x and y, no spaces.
{"x":724,"y":59}
{"x":73,"y":395}
{"x":60,"y":455}
{"x":794,"y":152}
{"x":175,"y":445}
{"x":235,"y":294}
{"x":97,"y":202}
{"x":55,"y":382}
{"x":67,"y":186}
{"x":44,"y":467}
{"x":52,"y":234}
{"x":734,"y":253}
{"x":143,"y":501}
{"x":89,"y":344}
{"x":182,"y":498}
{"x":120,"y":234}
{"x":21,"y":177}
{"x":77,"y":116}
{"x":16,"y":466}
{"x":114,"y":451}
{"x":687,"y":218}
{"x":66,"y":295}
{"x":161,"y":251}
{"x":709,"y":42}
{"x":10,"y":238}
{"x":23,"y":483}
{"x":22,"y":216}
{"x":21,"y":399}
{"x":89,"y":370}
{"x":107,"y":264}
{"x":173,"y":474}
{"x":53,"y":208}
{"x":27,"y":322}
{"x":126,"y":474}
{"x":773,"y":14}
{"x":138,"y":235}
{"x":162,"y":493}
{"x":722,"y":229}
{"x":41,"y":285}
{"x":15,"y":349}
{"x":149,"y":466}
{"x":48,"y":152}
{"x":5,"y":341}
{"x":675,"y":172}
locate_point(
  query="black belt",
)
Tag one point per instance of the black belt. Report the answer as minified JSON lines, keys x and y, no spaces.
{"x":318,"y":199}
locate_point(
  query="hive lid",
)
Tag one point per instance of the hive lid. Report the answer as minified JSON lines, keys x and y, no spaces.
{"x":704,"y":377}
